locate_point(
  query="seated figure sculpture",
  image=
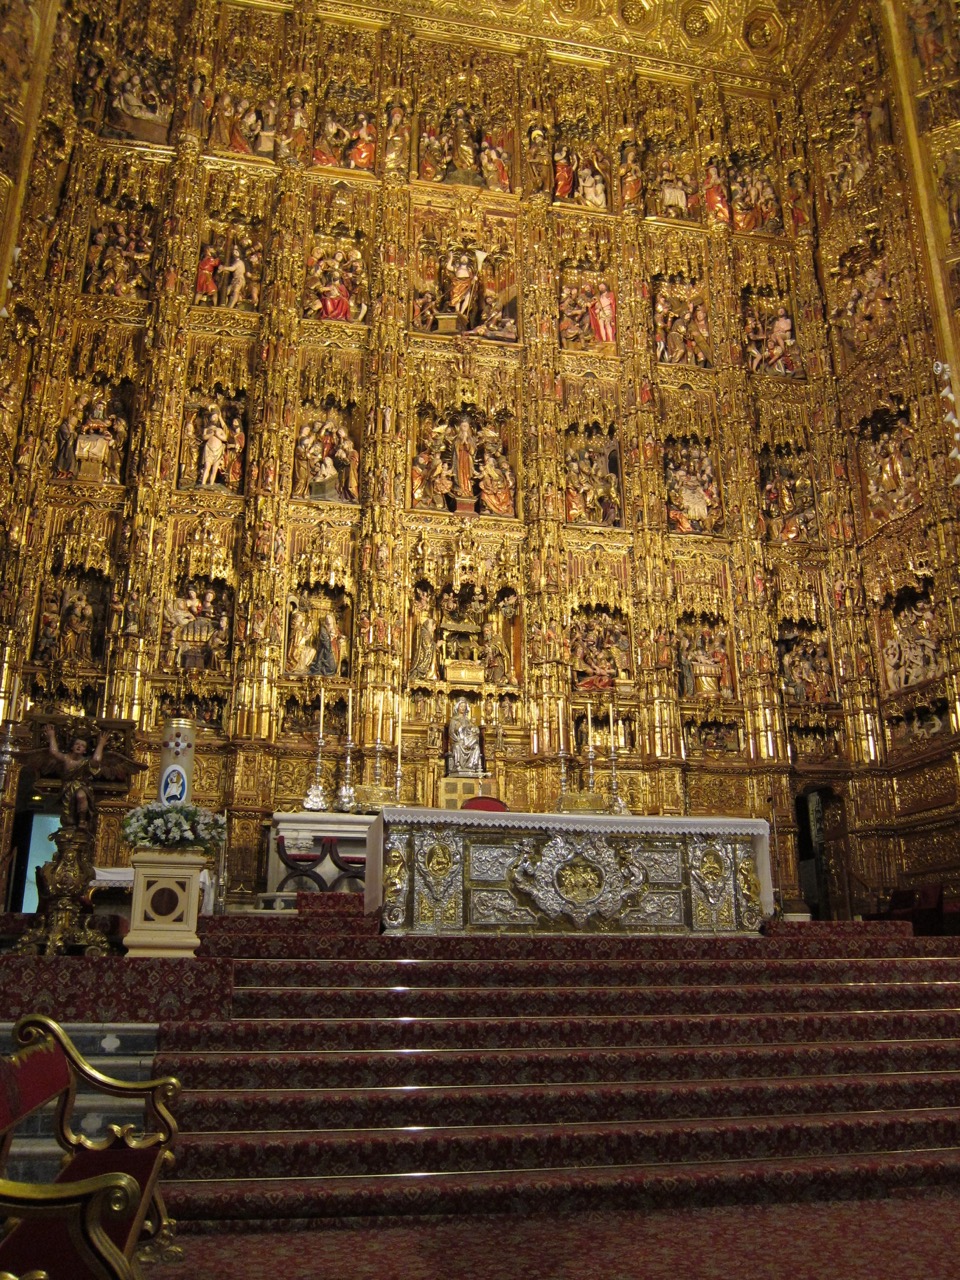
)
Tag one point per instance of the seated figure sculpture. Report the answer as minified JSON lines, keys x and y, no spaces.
{"x":464,"y":759}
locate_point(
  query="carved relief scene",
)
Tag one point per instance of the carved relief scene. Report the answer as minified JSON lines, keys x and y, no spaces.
{"x":588,"y":314}
{"x":213,"y":442}
{"x":910,"y":638}
{"x":692,"y":489}
{"x":597,"y":640}
{"x":91,"y":439}
{"x":345,"y":133}
{"x":464,"y":635}
{"x":336,"y":284}
{"x":129,"y":92}
{"x":581,"y":168}
{"x":326,"y":457}
{"x":806,"y":670}
{"x":705,"y":668}
{"x":753,"y":172}
{"x":918,"y":727}
{"x":865,"y":304}
{"x":467,"y":113}
{"x":661,"y":179}
{"x":463,"y":284}
{"x":72,"y":619}
{"x":319,"y":626}
{"x":229,"y":269}
{"x":787,"y":498}
{"x":681,"y":324}
{"x":847,"y":105}
{"x":889,"y":484}
{"x":244,"y":120}
{"x":592,"y":493}
{"x":462,"y":462}
{"x":768,"y":337}
{"x":119,"y":260}
{"x":197,"y":632}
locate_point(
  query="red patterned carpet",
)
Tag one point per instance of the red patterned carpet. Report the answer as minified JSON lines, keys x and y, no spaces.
{"x":902,"y":1238}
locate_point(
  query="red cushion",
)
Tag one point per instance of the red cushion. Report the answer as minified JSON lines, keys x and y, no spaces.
{"x":490,"y":803}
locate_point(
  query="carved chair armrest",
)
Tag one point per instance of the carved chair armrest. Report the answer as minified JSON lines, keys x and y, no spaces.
{"x":157,"y":1094}
{"x":84,"y":1208}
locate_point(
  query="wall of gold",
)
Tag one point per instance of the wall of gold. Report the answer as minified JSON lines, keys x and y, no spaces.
{"x":436,"y":357}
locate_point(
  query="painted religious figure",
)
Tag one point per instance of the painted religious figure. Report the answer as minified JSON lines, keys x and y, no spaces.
{"x":681,"y":322}
{"x":588,"y":316}
{"x":889,"y":477}
{"x":592,"y":489}
{"x":789,"y":511}
{"x":211,"y":453}
{"x":769,"y":345}
{"x":326,"y":459}
{"x":704,"y":667}
{"x":693,"y":495}
{"x":336,"y":285}
{"x":462,"y":465}
{"x":598,"y":643}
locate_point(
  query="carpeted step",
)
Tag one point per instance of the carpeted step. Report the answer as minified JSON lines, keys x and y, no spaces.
{"x":732,"y":972}
{"x":518,"y":1104}
{"x":298,"y":939}
{"x":498,"y":1033}
{"x":354,"y":1153}
{"x":231,"y":1204}
{"x":576,"y":1002}
{"x":564,"y":1065}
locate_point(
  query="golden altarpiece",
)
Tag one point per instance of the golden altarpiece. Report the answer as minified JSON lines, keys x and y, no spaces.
{"x":547,"y":355}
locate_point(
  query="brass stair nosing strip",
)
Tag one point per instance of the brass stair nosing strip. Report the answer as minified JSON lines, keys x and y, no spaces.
{"x":668,"y":1169}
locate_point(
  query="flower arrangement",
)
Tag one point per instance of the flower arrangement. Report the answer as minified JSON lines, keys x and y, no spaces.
{"x":159,"y":825}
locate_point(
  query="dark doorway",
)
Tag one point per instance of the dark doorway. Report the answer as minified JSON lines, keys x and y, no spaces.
{"x":822,"y":854}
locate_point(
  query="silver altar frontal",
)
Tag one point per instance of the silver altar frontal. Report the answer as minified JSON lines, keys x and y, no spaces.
{"x":433,"y":871}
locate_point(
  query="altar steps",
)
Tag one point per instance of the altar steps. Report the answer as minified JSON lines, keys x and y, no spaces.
{"x":362,"y":1075}
{"x":530,"y":1002}
{"x":252,"y":1073}
{"x":291,"y":1109}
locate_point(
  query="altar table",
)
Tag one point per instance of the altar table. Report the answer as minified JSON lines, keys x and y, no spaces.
{"x":433,"y":871}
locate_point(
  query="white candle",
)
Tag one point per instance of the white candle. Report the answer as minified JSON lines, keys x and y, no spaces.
{"x":14,"y":695}
{"x":349,"y":713}
{"x":323,"y":706}
{"x":613,"y":742}
{"x":380,"y":716}
{"x":560,"y":742}
{"x":399,"y":728}
{"x":589,"y":727}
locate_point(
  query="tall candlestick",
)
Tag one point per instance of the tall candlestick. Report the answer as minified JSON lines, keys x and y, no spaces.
{"x":380,"y":715}
{"x":323,"y":706}
{"x":349,"y":713}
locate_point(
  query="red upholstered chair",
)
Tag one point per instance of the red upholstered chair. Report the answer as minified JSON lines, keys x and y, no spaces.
{"x":901,"y":905}
{"x":490,"y":803}
{"x":928,"y":912}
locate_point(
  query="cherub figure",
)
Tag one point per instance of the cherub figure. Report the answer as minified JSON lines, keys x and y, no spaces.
{"x":79,"y":768}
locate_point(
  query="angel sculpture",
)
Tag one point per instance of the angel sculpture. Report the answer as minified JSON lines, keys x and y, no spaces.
{"x":79,"y":769}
